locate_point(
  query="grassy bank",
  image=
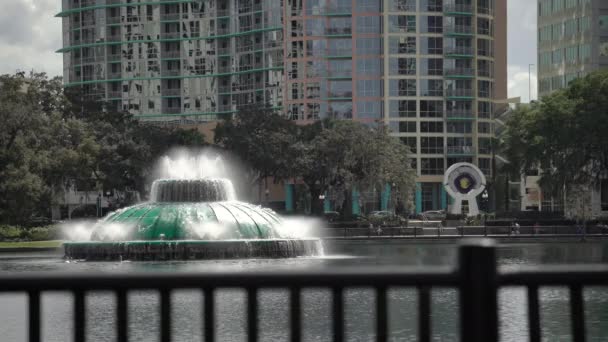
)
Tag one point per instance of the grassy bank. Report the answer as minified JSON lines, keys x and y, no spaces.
{"x":32,"y":244}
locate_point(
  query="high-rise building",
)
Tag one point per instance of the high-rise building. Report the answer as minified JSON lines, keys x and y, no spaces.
{"x":431,"y":70}
{"x":572,"y":41}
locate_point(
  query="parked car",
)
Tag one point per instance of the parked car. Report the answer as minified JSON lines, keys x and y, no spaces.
{"x":386,"y":218}
{"x":434,"y":215}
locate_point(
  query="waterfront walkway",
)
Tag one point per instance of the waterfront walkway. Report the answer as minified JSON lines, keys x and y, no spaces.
{"x":450,"y":234}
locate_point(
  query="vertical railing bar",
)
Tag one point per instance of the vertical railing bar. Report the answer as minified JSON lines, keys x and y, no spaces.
{"x":209,"y":314}
{"x":252,"y":314}
{"x":34,"y":316}
{"x":296,"y":315}
{"x":338,"y":314}
{"x":381,"y":315}
{"x":533,"y":314}
{"x":165,"y":315}
{"x":79,"y":316}
{"x":424,"y":314}
{"x":577,"y":313}
{"x":122,"y":317}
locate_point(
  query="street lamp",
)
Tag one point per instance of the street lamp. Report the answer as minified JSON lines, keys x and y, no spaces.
{"x":485,"y":197}
{"x":322,"y":200}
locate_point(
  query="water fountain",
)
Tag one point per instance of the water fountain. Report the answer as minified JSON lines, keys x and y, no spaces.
{"x":191,"y":218}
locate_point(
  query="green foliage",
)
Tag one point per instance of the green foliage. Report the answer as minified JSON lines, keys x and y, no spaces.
{"x":262,"y":139}
{"x":50,"y":141}
{"x":333,"y":156}
{"x":14,"y":233}
{"x":564,"y":134}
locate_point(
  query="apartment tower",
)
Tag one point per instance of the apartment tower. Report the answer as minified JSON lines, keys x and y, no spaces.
{"x":431,"y":70}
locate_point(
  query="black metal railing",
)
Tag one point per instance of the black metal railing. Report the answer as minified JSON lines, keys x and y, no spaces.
{"x":476,"y":277}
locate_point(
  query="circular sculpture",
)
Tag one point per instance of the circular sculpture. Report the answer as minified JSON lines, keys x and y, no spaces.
{"x":464,"y":182}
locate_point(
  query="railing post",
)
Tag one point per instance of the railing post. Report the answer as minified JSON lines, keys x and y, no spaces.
{"x":485,"y":230}
{"x":478,"y":296}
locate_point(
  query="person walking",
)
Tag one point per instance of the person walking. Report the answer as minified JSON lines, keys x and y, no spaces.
{"x":536,"y":228}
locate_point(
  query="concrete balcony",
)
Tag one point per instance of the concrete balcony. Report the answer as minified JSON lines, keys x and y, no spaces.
{"x":172,"y":72}
{"x":459,"y":72}
{"x":459,"y":114}
{"x":171,"y":91}
{"x":459,"y":93}
{"x":458,"y":9}
{"x":467,"y":51}
{"x":171,"y":54}
{"x":460,"y":150}
{"x":170,"y":16}
{"x":113,"y":75}
{"x":458,"y":30}
{"x":172,"y":110}
{"x":170,"y":35}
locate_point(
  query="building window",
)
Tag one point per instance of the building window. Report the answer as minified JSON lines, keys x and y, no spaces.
{"x":584,"y":24}
{"x":431,"y":45}
{"x":369,"y":88}
{"x":431,"y":145}
{"x":402,"y":109}
{"x":369,"y":110}
{"x":485,"y":166}
{"x":584,"y":52}
{"x":402,"y":45}
{"x":368,"y":6}
{"x":484,"y":88}
{"x":369,"y":67}
{"x":431,"y":109}
{"x":431,"y":66}
{"x":402,"y":126}
{"x":484,"y":110}
{"x":431,"y":87}
{"x":484,"y":146}
{"x":431,"y":5}
{"x":484,"y":127}
{"x":431,"y":24}
{"x":403,"y":87}
{"x":571,"y":54}
{"x":402,"y":5}
{"x":369,"y":46}
{"x":402,"y":23}
{"x":431,"y":166}
{"x":431,"y":127}
{"x":459,"y":127}
{"x":411,"y":143}
{"x":368,"y":24}
{"x":402,"y":66}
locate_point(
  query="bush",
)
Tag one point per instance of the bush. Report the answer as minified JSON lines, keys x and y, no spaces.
{"x":8,"y":233}
{"x":12,"y":233}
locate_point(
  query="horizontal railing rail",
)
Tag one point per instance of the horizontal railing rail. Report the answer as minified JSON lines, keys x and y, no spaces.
{"x":476,"y":278}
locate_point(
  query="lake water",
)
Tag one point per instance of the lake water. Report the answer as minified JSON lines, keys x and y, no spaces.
{"x":274,"y":314}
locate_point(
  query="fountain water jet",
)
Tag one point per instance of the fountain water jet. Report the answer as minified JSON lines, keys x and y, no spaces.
{"x":187,"y":218}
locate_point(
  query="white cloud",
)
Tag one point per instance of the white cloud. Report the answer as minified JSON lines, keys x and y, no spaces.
{"x":29,"y":36}
{"x":521,"y":83}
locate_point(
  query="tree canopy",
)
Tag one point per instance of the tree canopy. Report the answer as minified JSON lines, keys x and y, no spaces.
{"x":50,"y":141}
{"x":564,"y":134}
{"x":329,"y":155}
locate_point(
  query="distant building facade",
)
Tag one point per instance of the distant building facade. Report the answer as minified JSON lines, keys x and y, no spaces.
{"x":431,"y":70}
{"x":572,"y":41}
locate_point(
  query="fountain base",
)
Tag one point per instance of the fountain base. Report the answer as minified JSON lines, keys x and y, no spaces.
{"x":192,"y":249}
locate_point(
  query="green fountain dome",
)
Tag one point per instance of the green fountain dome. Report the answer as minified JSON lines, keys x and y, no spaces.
{"x":191,"y":219}
{"x":224,"y":220}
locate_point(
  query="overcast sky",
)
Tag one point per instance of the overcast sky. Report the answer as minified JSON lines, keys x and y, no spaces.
{"x":30,"y":34}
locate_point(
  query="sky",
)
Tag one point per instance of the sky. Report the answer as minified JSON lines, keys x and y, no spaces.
{"x":30,"y":34}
